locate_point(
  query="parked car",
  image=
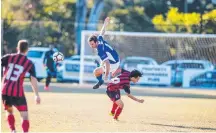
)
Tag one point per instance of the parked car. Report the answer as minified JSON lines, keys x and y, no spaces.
{"x":70,"y":69}
{"x":131,"y":62}
{"x":207,"y":79}
{"x":178,"y":67}
{"x":36,"y":55}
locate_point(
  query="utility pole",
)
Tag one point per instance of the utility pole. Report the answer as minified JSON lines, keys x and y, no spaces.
{"x":202,"y":7}
{"x":81,"y":11}
{"x":185,"y":6}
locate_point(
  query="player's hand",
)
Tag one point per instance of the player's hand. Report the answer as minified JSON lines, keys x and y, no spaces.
{"x":97,"y":63}
{"x":141,"y":101}
{"x":37,"y":99}
{"x":107,"y":20}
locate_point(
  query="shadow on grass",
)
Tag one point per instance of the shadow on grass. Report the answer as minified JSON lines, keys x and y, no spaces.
{"x":188,"y":127}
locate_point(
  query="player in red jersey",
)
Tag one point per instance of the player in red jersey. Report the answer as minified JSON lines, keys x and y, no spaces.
{"x":16,"y":65}
{"x":122,"y":82}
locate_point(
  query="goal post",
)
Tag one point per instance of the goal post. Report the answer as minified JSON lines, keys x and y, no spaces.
{"x":161,"y":47}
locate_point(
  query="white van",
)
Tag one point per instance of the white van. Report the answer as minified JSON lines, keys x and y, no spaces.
{"x":131,"y":62}
{"x":178,"y":67}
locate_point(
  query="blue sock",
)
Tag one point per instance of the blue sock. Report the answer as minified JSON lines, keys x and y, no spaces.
{"x":99,"y":78}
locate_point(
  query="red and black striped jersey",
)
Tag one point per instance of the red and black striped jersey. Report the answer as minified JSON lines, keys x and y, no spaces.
{"x":16,"y":66}
{"x":120,"y":82}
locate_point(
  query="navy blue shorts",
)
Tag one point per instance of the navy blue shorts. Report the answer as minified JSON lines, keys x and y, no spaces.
{"x":114,"y":95}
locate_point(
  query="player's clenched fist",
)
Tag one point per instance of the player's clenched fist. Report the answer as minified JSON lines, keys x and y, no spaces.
{"x":141,"y":101}
{"x":37,"y":99}
{"x":107,"y":20}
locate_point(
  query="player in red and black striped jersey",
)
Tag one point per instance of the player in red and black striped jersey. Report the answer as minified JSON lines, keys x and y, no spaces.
{"x":122,"y":82}
{"x":16,"y":66}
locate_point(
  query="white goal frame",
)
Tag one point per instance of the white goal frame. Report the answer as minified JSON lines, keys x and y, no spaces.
{"x":138,"y":34}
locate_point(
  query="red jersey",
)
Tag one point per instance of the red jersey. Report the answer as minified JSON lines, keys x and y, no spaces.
{"x":16,"y":66}
{"x":120,"y":82}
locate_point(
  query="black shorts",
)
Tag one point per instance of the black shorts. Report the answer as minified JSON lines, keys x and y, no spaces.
{"x":19,"y":102}
{"x":114,"y":95}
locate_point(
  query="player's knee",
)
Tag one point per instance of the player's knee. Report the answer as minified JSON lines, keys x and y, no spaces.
{"x":98,"y":71}
{"x":120,"y":103}
{"x":9,"y":110}
{"x":24,"y":115}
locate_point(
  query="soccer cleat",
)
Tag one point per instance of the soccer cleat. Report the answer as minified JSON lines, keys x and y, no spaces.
{"x":96,"y":86}
{"x":46,"y":88}
{"x":111,"y":114}
{"x":116,"y":119}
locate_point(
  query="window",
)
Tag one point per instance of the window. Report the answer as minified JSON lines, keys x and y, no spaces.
{"x":35,"y":54}
{"x":135,"y":62}
{"x":74,"y":59}
{"x":89,"y":60}
{"x":192,"y":65}
{"x":78,"y":59}
{"x":173,"y":66}
{"x":211,"y":75}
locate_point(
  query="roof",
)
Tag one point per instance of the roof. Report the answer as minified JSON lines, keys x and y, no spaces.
{"x":86,"y":56}
{"x":139,"y":58}
{"x":186,"y":61}
{"x":41,"y":48}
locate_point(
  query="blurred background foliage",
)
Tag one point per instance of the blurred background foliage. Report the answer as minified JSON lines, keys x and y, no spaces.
{"x":45,"y":22}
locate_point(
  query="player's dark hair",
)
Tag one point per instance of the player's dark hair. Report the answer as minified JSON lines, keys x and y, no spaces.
{"x":135,"y":74}
{"x":92,"y":38}
{"x":22,"y":45}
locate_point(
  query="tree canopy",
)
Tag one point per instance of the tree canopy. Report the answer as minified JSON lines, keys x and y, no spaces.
{"x":53,"y":21}
{"x":176,"y":21}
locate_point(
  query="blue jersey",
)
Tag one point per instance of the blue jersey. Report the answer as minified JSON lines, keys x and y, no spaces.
{"x":105,"y":51}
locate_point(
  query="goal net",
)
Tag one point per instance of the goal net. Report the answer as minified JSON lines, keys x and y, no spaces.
{"x":160,"y":47}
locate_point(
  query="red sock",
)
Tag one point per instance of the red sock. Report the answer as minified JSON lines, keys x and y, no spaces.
{"x":25,"y":125}
{"x":118,"y":112}
{"x":11,"y":122}
{"x":114,"y":108}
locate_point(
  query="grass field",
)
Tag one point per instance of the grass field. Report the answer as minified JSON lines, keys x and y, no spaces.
{"x":69,"y":108}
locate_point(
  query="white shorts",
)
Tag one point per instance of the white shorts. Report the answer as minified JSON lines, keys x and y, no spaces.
{"x":113,"y":67}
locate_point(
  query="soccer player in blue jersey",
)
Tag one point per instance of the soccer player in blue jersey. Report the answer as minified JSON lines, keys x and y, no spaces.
{"x":109,"y":57}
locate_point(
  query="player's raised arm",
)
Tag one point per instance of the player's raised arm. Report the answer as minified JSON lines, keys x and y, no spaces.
{"x":106,"y":22}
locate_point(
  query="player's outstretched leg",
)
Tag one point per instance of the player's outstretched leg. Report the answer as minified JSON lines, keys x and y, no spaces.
{"x":119,"y":110}
{"x":114,"y":107}
{"x":98,"y":73}
{"x":48,"y":80}
{"x":11,"y":119}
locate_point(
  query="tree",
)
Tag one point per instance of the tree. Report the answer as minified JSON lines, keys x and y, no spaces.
{"x":41,"y":22}
{"x":209,"y":22}
{"x":128,"y":15}
{"x":176,"y":21}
